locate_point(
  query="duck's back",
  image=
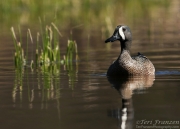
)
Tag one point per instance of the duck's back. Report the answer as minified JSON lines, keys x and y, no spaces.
{"x":127,"y":65}
{"x":142,"y":65}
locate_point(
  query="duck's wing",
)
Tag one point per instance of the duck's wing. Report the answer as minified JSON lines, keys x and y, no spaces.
{"x":140,"y":58}
{"x":143,"y":64}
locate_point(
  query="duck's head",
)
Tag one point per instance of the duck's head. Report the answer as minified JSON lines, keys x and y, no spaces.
{"x":121,"y":33}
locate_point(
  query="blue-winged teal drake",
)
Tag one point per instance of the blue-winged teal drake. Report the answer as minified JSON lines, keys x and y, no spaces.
{"x":125,"y":64}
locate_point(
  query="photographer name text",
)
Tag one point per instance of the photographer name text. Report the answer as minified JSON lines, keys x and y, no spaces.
{"x":156,"y":122}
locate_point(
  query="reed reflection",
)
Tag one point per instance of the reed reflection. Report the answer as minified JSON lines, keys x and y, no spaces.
{"x":41,"y":86}
{"x":126,"y":86}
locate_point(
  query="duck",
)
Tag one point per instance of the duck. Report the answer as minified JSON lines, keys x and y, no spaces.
{"x":126,"y":64}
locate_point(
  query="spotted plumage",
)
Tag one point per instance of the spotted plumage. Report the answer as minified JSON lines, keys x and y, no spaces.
{"x":125,"y":64}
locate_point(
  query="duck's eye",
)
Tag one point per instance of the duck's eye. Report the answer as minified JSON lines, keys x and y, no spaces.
{"x":124,"y":29}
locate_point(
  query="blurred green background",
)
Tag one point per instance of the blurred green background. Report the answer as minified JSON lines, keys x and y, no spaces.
{"x":91,"y":14}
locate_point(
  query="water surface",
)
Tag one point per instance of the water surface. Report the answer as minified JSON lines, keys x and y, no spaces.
{"x":83,"y":97}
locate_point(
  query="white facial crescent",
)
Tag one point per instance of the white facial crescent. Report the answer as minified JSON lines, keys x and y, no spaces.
{"x":121,"y":33}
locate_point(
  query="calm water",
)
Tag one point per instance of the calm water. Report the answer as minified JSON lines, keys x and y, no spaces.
{"x":81,"y":96}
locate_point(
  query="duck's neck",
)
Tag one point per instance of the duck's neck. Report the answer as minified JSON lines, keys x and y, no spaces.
{"x":125,"y":46}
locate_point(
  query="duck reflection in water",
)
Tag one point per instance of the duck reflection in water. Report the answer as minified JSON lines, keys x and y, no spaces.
{"x":126,"y":86}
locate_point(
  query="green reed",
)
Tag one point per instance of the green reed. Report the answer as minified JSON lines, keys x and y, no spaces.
{"x":47,"y":63}
{"x":70,"y":57}
{"x":50,"y":52}
{"x":71,"y":52}
{"x":19,"y":58}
